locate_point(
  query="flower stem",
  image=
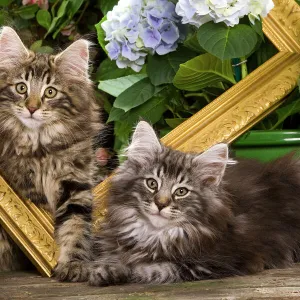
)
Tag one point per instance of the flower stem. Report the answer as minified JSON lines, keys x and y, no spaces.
{"x":82,"y":13}
{"x":198,"y":95}
{"x":53,"y":8}
{"x":244,"y":68}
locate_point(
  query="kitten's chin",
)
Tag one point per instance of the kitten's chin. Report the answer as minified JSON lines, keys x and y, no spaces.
{"x":158,"y":221}
{"x":31,"y":122}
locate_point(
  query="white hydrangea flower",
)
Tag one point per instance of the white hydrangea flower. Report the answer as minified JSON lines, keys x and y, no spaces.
{"x":198,"y":12}
{"x":228,"y":11}
{"x":259,"y":8}
{"x":193,"y":12}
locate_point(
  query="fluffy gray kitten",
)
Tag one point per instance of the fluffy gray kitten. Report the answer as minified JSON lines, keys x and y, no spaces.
{"x":48,"y":119}
{"x":174,"y":216}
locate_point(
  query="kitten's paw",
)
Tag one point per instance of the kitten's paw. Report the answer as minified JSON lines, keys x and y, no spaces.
{"x":75,"y":271}
{"x":102,"y":275}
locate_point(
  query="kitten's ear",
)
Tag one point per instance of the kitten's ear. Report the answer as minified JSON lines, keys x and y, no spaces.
{"x":75,"y":59}
{"x":144,"y":142}
{"x":212,"y":164}
{"x":12,"y":50}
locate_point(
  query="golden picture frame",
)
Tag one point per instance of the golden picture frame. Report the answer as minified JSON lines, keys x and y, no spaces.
{"x":223,"y":120}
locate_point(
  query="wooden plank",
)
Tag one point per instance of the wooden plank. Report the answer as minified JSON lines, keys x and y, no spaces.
{"x":271,"y":284}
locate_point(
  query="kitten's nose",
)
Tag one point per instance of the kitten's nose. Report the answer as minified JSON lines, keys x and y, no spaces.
{"x":162,"y":202}
{"x":32,"y":109}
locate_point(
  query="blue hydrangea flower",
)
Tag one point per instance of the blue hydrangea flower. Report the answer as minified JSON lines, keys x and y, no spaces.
{"x":135,"y":28}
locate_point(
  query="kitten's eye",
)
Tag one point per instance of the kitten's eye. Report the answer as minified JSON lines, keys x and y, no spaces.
{"x":180,"y":192}
{"x":151,"y":183}
{"x":21,"y":88}
{"x":50,"y":92}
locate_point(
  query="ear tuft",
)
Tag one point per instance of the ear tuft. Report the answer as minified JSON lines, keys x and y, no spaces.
{"x":144,"y":142}
{"x":212,"y":164}
{"x":12,"y":50}
{"x":75,"y":59}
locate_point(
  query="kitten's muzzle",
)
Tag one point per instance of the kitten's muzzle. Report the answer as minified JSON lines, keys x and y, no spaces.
{"x":32,"y":109}
{"x":162,"y":202}
{"x":33,"y":104}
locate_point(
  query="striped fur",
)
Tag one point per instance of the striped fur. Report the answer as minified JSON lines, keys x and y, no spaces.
{"x":235,"y":218}
{"x":48,"y":156}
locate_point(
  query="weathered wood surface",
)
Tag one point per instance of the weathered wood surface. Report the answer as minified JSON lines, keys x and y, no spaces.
{"x":272,"y":284}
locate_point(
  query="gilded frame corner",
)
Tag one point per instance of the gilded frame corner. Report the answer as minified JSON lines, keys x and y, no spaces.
{"x":223,"y":120}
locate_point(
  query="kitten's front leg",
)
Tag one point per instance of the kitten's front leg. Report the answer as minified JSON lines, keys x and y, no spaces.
{"x":168,"y":272}
{"x":73,"y":230}
{"x":163,"y":272}
{"x":103,"y":274}
{"x":108,"y":274}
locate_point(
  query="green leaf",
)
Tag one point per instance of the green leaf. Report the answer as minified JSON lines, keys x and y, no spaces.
{"x":60,"y":14}
{"x":227,"y":42}
{"x":109,"y":70}
{"x":106,"y":5}
{"x":283,"y":114}
{"x":45,"y":49}
{"x":286,"y":111}
{"x":101,"y":34}
{"x":173,"y":123}
{"x":203,"y":71}
{"x":150,"y":111}
{"x":218,"y":85}
{"x":162,"y":69}
{"x":192,"y":43}
{"x":19,"y":23}
{"x":163,"y":132}
{"x":106,"y":105}
{"x":137,"y":94}
{"x":65,"y":14}
{"x":53,"y":8}
{"x":123,"y":131}
{"x":74,"y":6}
{"x":115,"y":114}
{"x":61,"y":26}
{"x":36,"y":45}
{"x":43,"y":17}
{"x":117,"y":86}
{"x":119,"y":146}
{"x":5,"y":18}
{"x":27,"y":12}
{"x":257,"y":26}
{"x":5,"y":2}
{"x":265,"y":52}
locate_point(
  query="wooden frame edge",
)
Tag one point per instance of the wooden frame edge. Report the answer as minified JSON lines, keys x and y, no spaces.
{"x":29,"y":227}
{"x":282,"y":26}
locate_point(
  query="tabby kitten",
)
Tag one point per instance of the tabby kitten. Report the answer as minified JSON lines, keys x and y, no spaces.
{"x":175,"y":217}
{"x":48,"y":118}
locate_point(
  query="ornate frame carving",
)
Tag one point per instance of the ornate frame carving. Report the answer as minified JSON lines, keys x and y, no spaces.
{"x":224,"y":119}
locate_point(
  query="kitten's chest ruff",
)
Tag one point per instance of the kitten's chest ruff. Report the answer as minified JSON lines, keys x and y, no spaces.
{"x":25,"y":143}
{"x":34,"y":178}
{"x":144,"y":242}
{"x":45,"y":174}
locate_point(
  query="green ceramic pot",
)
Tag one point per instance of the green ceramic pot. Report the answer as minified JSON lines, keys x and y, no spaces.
{"x":267,"y":145}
